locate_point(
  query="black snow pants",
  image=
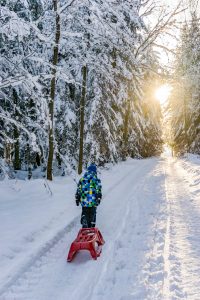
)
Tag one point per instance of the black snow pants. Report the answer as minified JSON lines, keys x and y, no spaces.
{"x":88,"y":217}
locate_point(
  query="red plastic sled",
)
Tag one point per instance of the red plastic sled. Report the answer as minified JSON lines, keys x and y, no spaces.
{"x":87,"y":239}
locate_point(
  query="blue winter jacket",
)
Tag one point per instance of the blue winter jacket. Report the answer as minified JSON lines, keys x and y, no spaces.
{"x":89,"y":187}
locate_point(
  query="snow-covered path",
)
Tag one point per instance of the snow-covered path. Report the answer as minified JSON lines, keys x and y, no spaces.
{"x":150,"y":220}
{"x":183,"y":232}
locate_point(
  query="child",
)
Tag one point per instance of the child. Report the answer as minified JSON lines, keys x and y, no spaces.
{"x":89,"y":195}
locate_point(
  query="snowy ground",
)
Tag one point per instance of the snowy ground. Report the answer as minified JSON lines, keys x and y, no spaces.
{"x":150,"y":220}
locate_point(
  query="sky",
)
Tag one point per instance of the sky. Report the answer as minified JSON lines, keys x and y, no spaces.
{"x":166,"y":58}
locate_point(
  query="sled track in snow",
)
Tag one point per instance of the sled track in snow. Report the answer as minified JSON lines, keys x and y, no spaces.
{"x":39,"y":255}
{"x":43,"y":251}
{"x":112,"y":249}
{"x":183,"y":251}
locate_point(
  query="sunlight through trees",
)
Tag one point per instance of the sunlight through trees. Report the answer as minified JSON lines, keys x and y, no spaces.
{"x":55,"y":119}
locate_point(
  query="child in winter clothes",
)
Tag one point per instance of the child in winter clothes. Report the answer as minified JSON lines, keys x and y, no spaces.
{"x":89,"y":195}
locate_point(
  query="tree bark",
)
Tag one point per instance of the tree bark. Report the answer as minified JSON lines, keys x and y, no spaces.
{"x":125,"y":133}
{"x":17,"y":164}
{"x":186,"y":142}
{"x":52,"y":93}
{"x":82,"y":116}
{"x":7,"y":152}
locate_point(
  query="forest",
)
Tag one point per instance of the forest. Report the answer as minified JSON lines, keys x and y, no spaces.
{"x":78,"y":81}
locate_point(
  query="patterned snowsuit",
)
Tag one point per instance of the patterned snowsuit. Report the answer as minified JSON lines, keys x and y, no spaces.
{"x":89,"y":193}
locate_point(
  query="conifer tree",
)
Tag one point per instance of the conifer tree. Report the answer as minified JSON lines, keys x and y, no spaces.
{"x":184,"y":105}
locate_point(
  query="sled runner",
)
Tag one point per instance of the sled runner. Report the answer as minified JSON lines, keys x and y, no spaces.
{"x":87,"y":239}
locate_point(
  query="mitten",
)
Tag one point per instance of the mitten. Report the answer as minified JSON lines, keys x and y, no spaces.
{"x":77,"y":199}
{"x":99,"y":196}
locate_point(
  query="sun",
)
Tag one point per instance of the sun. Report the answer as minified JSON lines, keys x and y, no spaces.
{"x":162,"y":93}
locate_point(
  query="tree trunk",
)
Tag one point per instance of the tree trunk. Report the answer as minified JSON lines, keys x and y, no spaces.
{"x":82,"y":115}
{"x":125,"y":133}
{"x":16,"y":162}
{"x":7,"y":152}
{"x":186,"y":142}
{"x":52,"y":93}
{"x":17,"y":165}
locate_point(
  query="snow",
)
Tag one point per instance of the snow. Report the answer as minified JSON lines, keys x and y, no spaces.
{"x":149,"y":218}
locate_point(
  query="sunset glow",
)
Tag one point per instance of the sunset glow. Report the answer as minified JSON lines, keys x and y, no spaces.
{"x":162,"y":93}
